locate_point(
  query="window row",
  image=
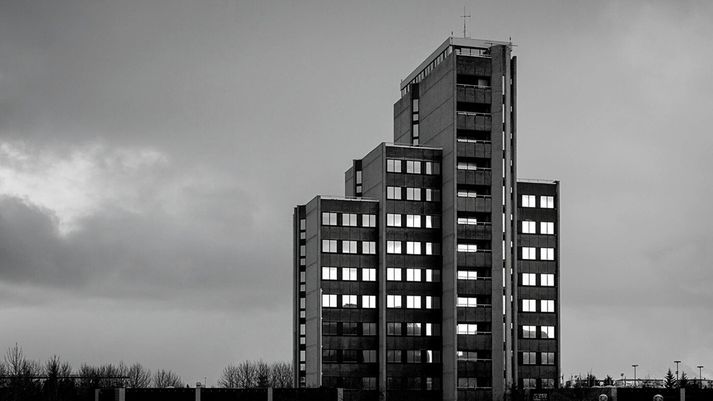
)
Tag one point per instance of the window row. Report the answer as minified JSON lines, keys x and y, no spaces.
{"x":413,"y":301}
{"x":412,"y":166}
{"x":413,"y":221}
{"x":348,"y":301}
{"x":348,"y":329}
{"x":332,"y":246}
{"x":413,"y":329}
{"x":530,"y":253}
{"x":472,"y":355}
{"x":413,"y":383}
{"x":413,"y":194}
{"x":467,"y":275}
{"x":348,"y":273}
{"x":467,"y":302}
{"x":427,"y":275}
{"x":467,"y":328}
{"x":413,"y":356}
{"x":545,"y":332}
{"x":546,"y":202}
{"x":530,"y":383}
{"x":413,"y":248}
{"x":530,"y":279}
{"x":468,"y":248}
{"x":470,"y":166}
{"x":348,"y":219}
{"x":546,"y":305}
{"x":349,"y":356}
{"x":530,"y":227}
{"x":530,"y":358}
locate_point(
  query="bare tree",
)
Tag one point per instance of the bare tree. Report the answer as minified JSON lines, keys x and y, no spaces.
{"x":281,"y":375}
{"x":57,"y":385}
{"x":263,"y":373}
{"x":139,"y":377}
{"x":230,"y":378}
{"x":166,"y":378}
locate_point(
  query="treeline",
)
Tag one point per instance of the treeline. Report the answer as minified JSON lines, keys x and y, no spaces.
{"x":55,"y":380}
{"x":253,"y":374}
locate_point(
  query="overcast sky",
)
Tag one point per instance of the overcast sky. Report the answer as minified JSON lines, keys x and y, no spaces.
{"x":151,"y":153}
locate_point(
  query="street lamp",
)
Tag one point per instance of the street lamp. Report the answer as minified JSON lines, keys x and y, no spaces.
{"x":634,"y":366}
{"x":677,"y":362}
{"x":700,"y":374}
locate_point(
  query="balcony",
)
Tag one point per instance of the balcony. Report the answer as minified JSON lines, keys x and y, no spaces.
{"x":479,"y":204}
{"x":480,"y":149}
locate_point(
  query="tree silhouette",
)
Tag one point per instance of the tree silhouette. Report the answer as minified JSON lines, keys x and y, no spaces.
{"x":669,"y":379}
{"x":683,"y":381}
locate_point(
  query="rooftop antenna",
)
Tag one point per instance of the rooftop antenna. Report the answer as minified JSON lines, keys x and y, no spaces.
{"x":465,"y":25}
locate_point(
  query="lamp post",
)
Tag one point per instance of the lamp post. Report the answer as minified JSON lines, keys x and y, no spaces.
{"x":676,"y":362}
{"x":634,"y":366}
{"x":700,"y":374}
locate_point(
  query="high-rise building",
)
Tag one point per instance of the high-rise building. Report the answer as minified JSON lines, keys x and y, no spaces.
{"x":436,"y":275}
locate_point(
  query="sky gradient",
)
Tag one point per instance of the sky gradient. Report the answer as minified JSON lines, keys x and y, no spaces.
{"x":151,"y":153}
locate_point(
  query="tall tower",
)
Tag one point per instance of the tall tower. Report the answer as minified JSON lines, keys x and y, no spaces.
{"x":409,"y":285}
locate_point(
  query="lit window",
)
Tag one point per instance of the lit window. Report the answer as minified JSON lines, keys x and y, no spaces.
{"x":368,"y":247}
{"x":467,"y":220}
{"x":547,"y":331}
{"x":547,"y":254}
{"x":349,"y":301}
{"x":548,"y":383}
{"x":393,"y":166}
{"x":547,"y":305}
{"x":302,"y":277}
{"x":529,"y":305}
{"x":466,"y":166}
{"x":413,"y":274}
{"x":393,"y":220}
{"x":349,"y":274}
{"x":433,"y":276}
{"x":358,"y":177}
{"x":413,"y":302}
{"x":413,"y":220}
{"x":393,"y":329}
{"x":302,"y":303}
{"x":329,"y":273}
{"x":529,"y":332}
{"x":302,"y":250}
{"x":529,"y":358}
{"x":433,"y":302}
{"x":467,"y":194}
{"x":349,"y":219}
{"x":529,"y":253}
{"x":529,"y":201}
{"x":303,"y":224}
{"x":413,"y":194}
{"x":529,"y":279}
{"x":547,"y":227}
{"x":467,"y":355}
{"x":467,"y":328}
{"x":467,"y":302}
{"x":393,"y":247}
{"x":413,"y":167}
{"x":329,"y":219}
{"x":547,"y":202}
{"x":349,"y":247}
{"x":433,"y":168}
{"x":529,"y":383}
{"x":393,"y":274}
{"x":368,"y":274}
{"x":329,"y":300}
{"x":467,"y":275}
{"x":433,"y":356}
{"x":433,"y":249}
{"x":467,"y":248}
{"x":433,"y":221}
{"x":547,"y":358}
{"x":393,"y":301}
{"x":393,"y":193}
{"x":413,"y":248}
{"x":302,"y":329}
{"x":529,"y":227}
{"x":433,"y":195}
{"x":547,"y":280}
{"x":368,"y":301}
{"x":329,"y":245}
{"x":368,"y":220}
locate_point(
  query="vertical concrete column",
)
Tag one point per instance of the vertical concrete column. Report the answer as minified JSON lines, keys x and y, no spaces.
{"x":682,"y":396}
{"x":96,"y":394}
{"x":269,"y":394}
{"x":613,"y":394}
{"x":120,"y":394}
{"x":198,"y":393}
{"x":340,"y":394}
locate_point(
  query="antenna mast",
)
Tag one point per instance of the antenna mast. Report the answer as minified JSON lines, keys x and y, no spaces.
{"x":465,"y":30}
